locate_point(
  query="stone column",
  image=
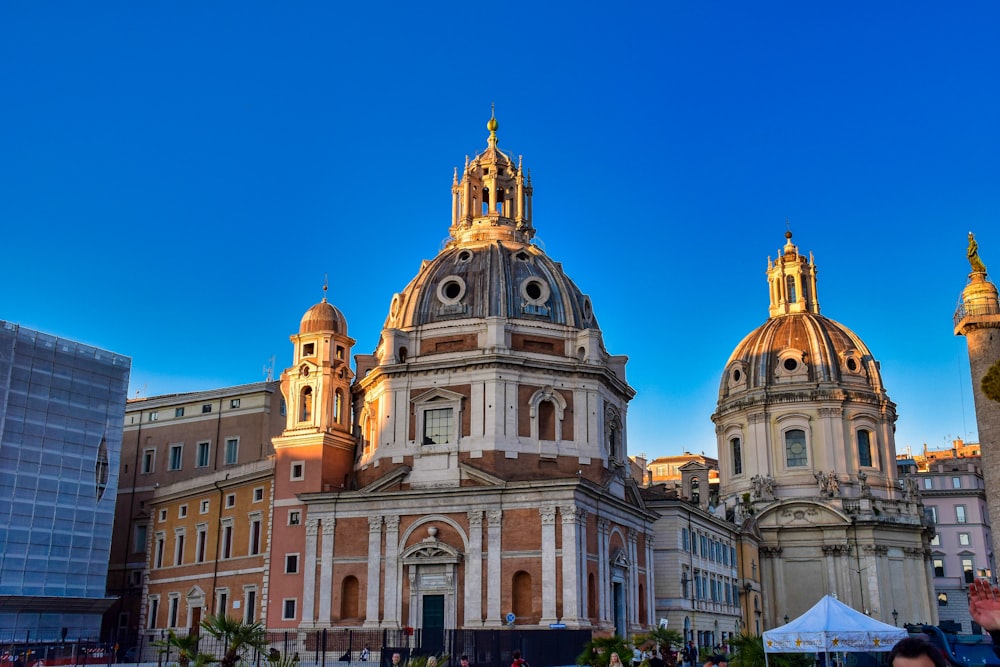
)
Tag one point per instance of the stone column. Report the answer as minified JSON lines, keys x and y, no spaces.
{"x":309,"y":574}
{"x":374,"y":561}
{"x":474,"y":572}
{"x":829,"y":551}
{"x":326,"y":570}
{"x":548,"y":517}
{"x":633,"y":576}
{"x":603,"y":571}
{"x":582,"y":565}
{"x":493,"y":584}
{"x":651,"y":584}
{"x":570,"y":565}
{"x":392,"y":606}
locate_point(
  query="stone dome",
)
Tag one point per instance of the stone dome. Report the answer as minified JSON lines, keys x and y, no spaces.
{"x":498,"y":278}
{"x":323,"y":317}
{"x":800,"y":351}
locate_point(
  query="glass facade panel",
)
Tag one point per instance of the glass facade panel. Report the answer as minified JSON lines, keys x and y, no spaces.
{"x":60,"y":442}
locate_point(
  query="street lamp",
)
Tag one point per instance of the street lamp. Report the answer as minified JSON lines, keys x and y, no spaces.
{"x":895,"y":617}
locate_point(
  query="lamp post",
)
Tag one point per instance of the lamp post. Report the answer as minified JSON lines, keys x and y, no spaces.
{"x":895,"y":617}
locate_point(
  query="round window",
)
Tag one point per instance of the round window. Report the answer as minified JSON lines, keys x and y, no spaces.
{"x":464,"y":256}
{"x":535,"y":291}
{"x":394,"y":306}
{"x":852,"y":365}
{"x":588,"y":310}
{"x":791,"y":364}
{"x":451,"y":290}
{"x":737,"y":376}
{"x":522,"y":256}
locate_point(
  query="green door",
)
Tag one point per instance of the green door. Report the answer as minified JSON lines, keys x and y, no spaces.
{"x":432,"y":633}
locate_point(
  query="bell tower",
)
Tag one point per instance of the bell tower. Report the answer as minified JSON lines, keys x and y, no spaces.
{"x":978,"y":319}
{"x":315,"y":452}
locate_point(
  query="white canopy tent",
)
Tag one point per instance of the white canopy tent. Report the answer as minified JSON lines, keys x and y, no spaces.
{"x":830,"y":626}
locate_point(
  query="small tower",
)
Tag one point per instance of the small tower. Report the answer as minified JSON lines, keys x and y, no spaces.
{"x":315,"y":452}
{"x":978,"y":319}
{"x":792,"y":281}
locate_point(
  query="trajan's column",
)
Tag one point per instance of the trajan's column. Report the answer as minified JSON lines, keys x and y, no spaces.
{"x":978,"y":319}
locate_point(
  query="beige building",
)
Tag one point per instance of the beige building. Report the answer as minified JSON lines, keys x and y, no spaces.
{"x":172,"y":445}
{"x":806,"y":444}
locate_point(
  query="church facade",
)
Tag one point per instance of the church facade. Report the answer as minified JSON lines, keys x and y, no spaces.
{"x":805,"y":432}
{"x":483,"y":480}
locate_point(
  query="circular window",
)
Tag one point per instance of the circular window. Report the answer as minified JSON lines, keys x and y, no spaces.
{"x":451,"y":290}
{"x":852,"y":365}
{"x":588,"y":310}
{"x":464,"y":256}
{"x":522,"y":256}
{"x":737,"y":376}
{"x":791,"y":364}
{"x":535,"y":291}
{"x":394,"y":306}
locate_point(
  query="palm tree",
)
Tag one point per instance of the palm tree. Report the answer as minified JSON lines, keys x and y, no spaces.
{"x":746,"y":650}
{"x":186,"y":647}
{"x":668,"y":639}
{"x":597,"y":652}
{"x":240,"y":637}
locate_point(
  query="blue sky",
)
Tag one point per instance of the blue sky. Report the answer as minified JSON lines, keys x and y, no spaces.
{"x":177,"y":178}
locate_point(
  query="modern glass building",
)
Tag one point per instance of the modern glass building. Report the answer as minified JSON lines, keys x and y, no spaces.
{"x":62,"y":405}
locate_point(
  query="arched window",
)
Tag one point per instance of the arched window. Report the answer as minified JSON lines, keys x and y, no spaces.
{"x":546,"y":420}
{"x":338,"y":406}
{"x":864,"y":448}
{"x":737,"y":452}
{"x":486,"y":201}
{"x":695,"y":492}
{"x":350,"y":598}
{"x":795,"y":448}
{"x":306,"y":403}
{"x":790,"y":289}
{"x":521,"y":595}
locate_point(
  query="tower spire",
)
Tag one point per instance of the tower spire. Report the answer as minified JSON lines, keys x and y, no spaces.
{"x":792,"y":280}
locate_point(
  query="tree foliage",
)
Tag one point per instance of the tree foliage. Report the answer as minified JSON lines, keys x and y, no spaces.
{"x":597,"y":652}
{"x":664,"y":637}
{"x":991,"y":382}
{"x":747,"y":650}
{"x":186,"y":647}
{"x":240,"y":637}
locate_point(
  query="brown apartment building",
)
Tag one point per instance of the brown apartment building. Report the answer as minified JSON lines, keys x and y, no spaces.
{"x":180,"y":443}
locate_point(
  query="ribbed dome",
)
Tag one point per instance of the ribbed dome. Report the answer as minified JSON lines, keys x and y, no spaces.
{"x":800,"y":350}
{"x":498,"y":279}
{"x":323,"y":317}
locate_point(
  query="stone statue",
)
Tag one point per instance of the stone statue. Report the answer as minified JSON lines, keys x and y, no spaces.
{"x":768,"y":487}
{"x":911,"y":490}
{"x":863,"y":489}
{"x":832,"y":485}
{"x":821,"y":480}
{"x":974,"y":261}
{"x":757,"y":484}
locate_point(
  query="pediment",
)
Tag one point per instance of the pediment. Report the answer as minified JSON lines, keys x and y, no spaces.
{"x":436,"y":394}
{"x":431,"y":551}
{"x":801,"y":513}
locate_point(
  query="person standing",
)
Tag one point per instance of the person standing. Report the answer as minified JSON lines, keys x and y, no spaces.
{"x":517,"y":660}
{"x":655,"y":660}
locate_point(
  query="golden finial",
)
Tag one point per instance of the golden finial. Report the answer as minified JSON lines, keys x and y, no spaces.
{"x":492,"y":125}
{"x":326,"y":285}
{"x":788,"y":229}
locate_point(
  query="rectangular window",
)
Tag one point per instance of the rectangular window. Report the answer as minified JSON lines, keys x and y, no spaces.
{"x":203,"y":507}
{"x":158,"y":555}
{"x":704,"y":547}
{"x":960,"y":513}
{"x":291,"y":563}
{"x":204,"y":452}
{"x":864,"y":449}
{"x":437,"y":426}
{"x":258,"y":494}
{"x":154,"y":609}
{"x":298,"y":471}
{"x":141,"y":535}
{"x":694,"y":543}
{"x":179,"y":548}
{"x":232,"y":450}
{"x":154,"y":415}
{"x":250,"y":597}
{"x":964,"y":539}
{"x":938,"y":567}
{"x":288,"y":610}
{"x":148,"y":460}
{"x":182,"y":511}
{"x":684,"y":539}
{"x":732,"y":556}
{"x":230,"y":500}
{"x":942,"y":599}
{"x":956,"y":482}
{"x":968,"y":571}
{"x":234,"y":403}
{"x":931,"y":513}
{"x":175,"y":457}
{"x":178,"y":412}
{"x":163,"y":515}
{"x":928,"y":483}
{"x":227,"y":540}
{"x":795,"y":448}
{"x":936,"y":540}
{"x":294,"y":517}
{"x":308,"y":349}
{"x":206,"y":408}
{"x":222,"y":595}
{"x":254,"y":537}
{"x":201,"y":544}
{"x":174,"y":604}
{"x":283,"y":408}
{"x":737,"y":450}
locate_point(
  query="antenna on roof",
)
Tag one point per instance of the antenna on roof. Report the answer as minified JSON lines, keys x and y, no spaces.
{"x":269,"y":370}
